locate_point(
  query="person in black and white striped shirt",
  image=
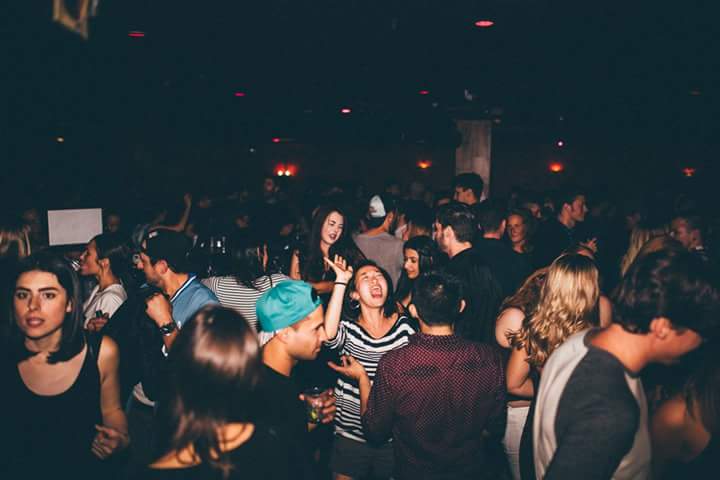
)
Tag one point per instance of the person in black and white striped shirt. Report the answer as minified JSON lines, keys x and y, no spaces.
{"x":250,"y":280}
{"x":371,"y":326}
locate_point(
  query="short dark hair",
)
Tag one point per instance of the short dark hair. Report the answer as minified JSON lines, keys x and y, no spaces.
{"x":675,"y":285}
{"x":72,"y":339}
{"x":437,"y":296}
{"x":491,"y":214}
{"x":471,"y":181}
{"x":567,"y":195}
{"x":460,"y":218}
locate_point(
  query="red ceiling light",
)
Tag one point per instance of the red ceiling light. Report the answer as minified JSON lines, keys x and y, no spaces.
{"x":136,"y":34}
{"x":556,"y":167}
{"x":688,"y":171}
{"x":484,"y":23}
{"x":345,"y":111}
{"x":276,"y":140}
{"x":239,"y":94}
{"x":424,"y":92}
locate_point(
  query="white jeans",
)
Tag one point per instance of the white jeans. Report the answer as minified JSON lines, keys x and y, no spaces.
{"x":516,"y":417}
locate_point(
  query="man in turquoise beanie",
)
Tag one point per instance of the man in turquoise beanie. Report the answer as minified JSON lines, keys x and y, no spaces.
{"x":291,"y":315}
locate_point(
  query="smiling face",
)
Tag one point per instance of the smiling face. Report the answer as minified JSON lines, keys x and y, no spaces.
{"x":412,"y":263}
{"x":516,"y":228}
{"x":332,"y":228}
{"x":371,"y":288}
{"x":40,"y":304}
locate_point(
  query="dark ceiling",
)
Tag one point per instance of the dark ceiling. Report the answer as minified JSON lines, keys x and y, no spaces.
{"x":638,"y":70}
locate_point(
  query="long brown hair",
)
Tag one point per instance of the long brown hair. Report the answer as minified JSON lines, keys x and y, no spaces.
{"x":216,"y":363}
{"x":567,"y":301}
{"x":527,"y":296}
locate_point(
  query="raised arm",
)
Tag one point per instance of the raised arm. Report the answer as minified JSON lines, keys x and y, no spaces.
{"x":343,"y":274}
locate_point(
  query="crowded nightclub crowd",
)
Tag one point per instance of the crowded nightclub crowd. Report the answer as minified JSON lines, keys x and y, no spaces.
{"x":408,"y":333}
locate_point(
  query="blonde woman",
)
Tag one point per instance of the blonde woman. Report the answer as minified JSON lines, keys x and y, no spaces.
{"x":639,"y":236}
{"x":568,"y":304}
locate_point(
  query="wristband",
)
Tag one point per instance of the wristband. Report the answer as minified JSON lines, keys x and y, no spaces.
{"x":168,"y":328}
{"x":340,"y":283}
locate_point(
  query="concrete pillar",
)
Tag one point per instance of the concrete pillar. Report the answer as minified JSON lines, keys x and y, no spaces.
{"x":473,"y":154}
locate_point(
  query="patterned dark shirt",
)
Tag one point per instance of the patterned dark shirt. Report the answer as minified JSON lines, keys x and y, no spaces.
{"x":437,"y":396}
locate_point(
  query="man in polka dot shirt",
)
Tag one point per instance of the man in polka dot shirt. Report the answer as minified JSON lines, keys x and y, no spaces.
{"x":440,"y":397}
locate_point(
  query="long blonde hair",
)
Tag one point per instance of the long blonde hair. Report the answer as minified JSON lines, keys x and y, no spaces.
{"x":639,"y":237}
{"x":14,"y":243}
{"x":568,"y":300}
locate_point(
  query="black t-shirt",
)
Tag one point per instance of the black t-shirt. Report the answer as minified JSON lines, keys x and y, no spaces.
{"x":482,"y":294}
{"x":506,"y":265}
{"x":278,"y":405}
{"x":264,"y":457}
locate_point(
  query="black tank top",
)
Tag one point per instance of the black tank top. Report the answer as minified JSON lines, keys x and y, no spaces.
{"x":50,"y":436}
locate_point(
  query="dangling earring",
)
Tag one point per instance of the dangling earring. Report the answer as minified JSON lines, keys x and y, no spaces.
{"x":354,"y":304}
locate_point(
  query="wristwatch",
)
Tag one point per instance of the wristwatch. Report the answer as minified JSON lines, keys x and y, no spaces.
{"x":168,"y":328}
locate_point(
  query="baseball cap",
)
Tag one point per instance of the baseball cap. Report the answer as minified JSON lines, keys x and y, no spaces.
{"x":285,"y":304}
{"x":381,"y":205}
{"x":168,"y":245}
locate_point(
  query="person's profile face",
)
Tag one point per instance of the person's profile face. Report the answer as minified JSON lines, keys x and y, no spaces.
{"x":411,"y":263}
{"x":305,"y":338}
{"x":680,"y":231}
{"x":89,"y":260}
{"x":678,"y":342}
{"x":142,"y":262}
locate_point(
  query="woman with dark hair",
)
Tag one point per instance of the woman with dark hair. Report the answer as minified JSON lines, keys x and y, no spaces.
{"x":61,"y":392}
{"x":328,"y":237}
{"x":107,"y":258}
{"x":371,"y":326}
{"x":685,"y":428}
{"x":420,"y":255}
{"x":250,"y":279}
{"x":215,"y":366}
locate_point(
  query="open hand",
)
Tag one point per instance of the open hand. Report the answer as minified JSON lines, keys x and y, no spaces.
{"x":343,"y":271}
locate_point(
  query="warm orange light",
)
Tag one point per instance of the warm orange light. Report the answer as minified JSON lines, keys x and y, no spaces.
{"x":688,"y":171}
{"x":557,"y":167}
{"x":424,"y":164}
